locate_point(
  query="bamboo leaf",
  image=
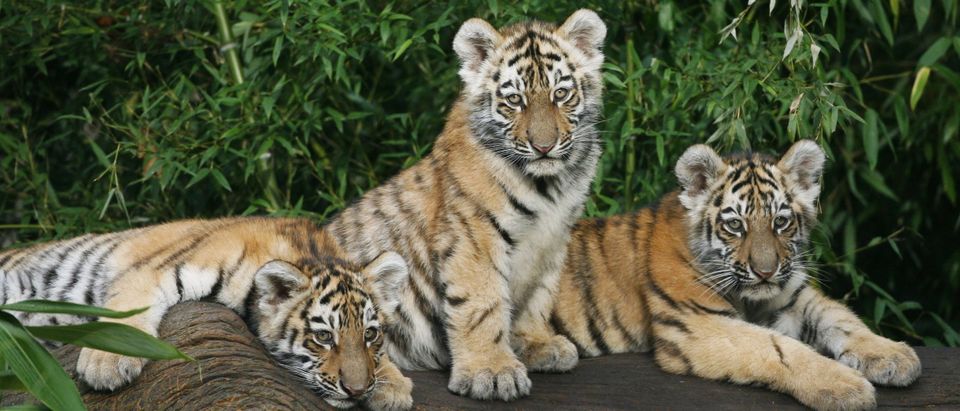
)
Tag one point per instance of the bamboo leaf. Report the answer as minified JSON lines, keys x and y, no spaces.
{"x":919,"y":83}
{"x":59,"y":307}
{"x":936,"y":50}
{"x":921,"y":11}
{"x":111,"y":337}
{"x":36,"y":369}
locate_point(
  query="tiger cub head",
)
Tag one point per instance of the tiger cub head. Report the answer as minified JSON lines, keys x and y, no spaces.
{"x":534,"y":89}
{"x":318,"y":320}
{"x":749,"y":217}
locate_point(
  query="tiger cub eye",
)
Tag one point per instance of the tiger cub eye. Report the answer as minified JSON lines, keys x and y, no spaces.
{"x":560,"y":94}
{"x":514,"y":99}
{"x":370,"y":334}
{"x":323,"y":337}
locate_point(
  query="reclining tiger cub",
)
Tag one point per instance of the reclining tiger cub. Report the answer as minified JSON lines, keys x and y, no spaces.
{"x":483,"y":220}
{"x":713,"y":279}
{"x":306,"y":304}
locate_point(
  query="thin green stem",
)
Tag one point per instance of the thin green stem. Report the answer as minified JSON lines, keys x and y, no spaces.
{"x":227,"y":44}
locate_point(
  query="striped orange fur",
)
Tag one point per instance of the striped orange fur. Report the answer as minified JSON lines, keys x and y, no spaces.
{"x":713,"y":278}
{"x":483,"y":220}
{"x":305,"y":301}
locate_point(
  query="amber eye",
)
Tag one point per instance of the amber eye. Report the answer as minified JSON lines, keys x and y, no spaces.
{"x":323,"y":337}
{"x":734,"y":225}
{"x":780,"y":222}
{"x":560,"y":94}
{"x":514,"y":99}
{"x":371,"y":334}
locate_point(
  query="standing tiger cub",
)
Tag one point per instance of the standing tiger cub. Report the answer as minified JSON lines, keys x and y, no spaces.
{"x":713,"y":279}
{"x":307,"y":304}
{"x":483,"y":220}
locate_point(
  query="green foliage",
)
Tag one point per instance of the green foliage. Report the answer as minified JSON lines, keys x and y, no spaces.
{"x":119,"y":114}
{"x":25,"y":365}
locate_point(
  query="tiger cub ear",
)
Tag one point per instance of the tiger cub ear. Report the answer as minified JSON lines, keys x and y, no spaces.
{"x":279,"y":280}
{"x":803,"y":165}
{"x":586,"y":31}
{"x":474,"y":43}
{"x":383,"y":277}
{"x":697,"y":169}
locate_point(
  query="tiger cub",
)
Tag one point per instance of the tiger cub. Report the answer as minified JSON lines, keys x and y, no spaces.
{"x":713,"y":278}
{"x":484,"y":219}
{"x":307,"y":305}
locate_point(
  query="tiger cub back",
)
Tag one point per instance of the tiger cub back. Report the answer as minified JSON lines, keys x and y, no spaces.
{"x":714,"y":279}
{"x":483,"y":220}
{"x":307,"y":304}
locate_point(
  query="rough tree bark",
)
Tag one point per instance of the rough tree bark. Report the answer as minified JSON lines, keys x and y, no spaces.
{"x":232,"y":371}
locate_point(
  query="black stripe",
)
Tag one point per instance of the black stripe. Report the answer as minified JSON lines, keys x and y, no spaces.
{"x":543,"y":185}
{"x":671,"y":322}
{"x":81,"y":264}
{"x":519,"y":206}
{"x":483,"y":316}
{"x":776,"y":346}
{"x":671,"y":348}
{"x":500,"y":230}
{"x":660,"y":293}
{"x":172,"y":258}
{"x":708,"y":310}
{"x":455,"y":301}
{"x":584,"y":276}
{"x":560,"y":328}
{"x":177,"y":272}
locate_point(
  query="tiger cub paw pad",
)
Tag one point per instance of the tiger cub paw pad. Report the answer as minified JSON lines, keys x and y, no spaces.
{"x":557,"y":355}
{"x":107,"y":371}
{"x":884,"y":362}
{"x":485,"y":381}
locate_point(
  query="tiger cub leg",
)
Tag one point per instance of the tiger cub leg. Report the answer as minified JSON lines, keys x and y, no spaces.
{"x":393,"y":391}
{"x":478,"y":327}
{"x":156,"y":290}
{"x":539,"y":347}
{"x":830,"y":327}
{"x":723,"y":348}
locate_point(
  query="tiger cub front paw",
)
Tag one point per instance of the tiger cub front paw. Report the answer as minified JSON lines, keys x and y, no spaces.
{"x":501,"y":377}
{"x":394,"y":394}
{"x":833,"y":386}
{"x":557,"y":354}
{"x":881,"y":360}
{"x":107,"y":371}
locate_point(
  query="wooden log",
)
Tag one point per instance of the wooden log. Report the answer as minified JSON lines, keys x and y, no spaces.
{"x":235,"y":372}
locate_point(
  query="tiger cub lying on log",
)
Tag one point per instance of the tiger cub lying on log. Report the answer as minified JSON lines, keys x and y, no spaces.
{"x":714,"y":279}
{"x":306,"y":304}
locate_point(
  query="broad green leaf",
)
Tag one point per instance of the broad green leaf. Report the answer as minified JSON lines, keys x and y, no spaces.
{"x":903,"y":121}
{"x":59,"y":307}
{"x":936,"y":50}
{"x":277,"y":48}
{"x":919,"y":83}
{"x":112,"y":337}
{"x":221,"y":179}
{"x":37,"y":370}
{"x":876,"y":181}
{"x":921,"y":11}
{"x":883,"y":23}
{"x":871,"y":138}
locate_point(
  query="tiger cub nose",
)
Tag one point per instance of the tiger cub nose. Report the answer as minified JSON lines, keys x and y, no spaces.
{"x":542,"y":149}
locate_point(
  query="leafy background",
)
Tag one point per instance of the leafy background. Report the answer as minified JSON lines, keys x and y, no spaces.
{"x":123,"y":113}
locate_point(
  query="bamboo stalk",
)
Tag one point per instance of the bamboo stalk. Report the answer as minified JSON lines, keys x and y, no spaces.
{"x":226,"y":43}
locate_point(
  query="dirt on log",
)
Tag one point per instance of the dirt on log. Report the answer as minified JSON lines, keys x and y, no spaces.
{"x":232,"y":370}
